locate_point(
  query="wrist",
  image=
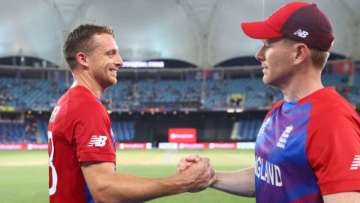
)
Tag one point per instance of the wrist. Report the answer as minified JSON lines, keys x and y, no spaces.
{"x":218,"y":176}
{"x":177,"y":183}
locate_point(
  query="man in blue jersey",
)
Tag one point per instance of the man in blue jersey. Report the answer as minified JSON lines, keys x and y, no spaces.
{"x":308,"y":148}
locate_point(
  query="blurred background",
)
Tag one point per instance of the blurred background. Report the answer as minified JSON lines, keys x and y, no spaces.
{"x":190,"y":80}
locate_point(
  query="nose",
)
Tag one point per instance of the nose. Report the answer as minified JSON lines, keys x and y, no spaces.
{"x":118,"y":60}
{"x":260,"y":56}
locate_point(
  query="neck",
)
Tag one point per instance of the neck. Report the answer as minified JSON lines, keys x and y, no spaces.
{"x":302,"y":85}
{"x":89,"y":82}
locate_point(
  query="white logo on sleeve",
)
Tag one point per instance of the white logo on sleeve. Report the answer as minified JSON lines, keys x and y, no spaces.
{"x":301,"y":33}
{"x":97,"y":141}
{"x":355,"y":165}
{"x":284,"y":136}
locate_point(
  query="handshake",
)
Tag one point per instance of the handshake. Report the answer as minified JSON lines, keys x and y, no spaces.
{"x":196,"y":173}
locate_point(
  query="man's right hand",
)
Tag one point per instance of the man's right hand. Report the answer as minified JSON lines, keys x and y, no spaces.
{"x":197,"y":170}
{"x":186,"y":162}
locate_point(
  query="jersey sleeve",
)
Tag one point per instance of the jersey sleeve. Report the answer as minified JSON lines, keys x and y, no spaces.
{"x":93,"y":137}
{"x":333,"y":150}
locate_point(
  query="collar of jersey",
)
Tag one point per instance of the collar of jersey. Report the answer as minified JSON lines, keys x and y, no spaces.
{"x":288,"y":106}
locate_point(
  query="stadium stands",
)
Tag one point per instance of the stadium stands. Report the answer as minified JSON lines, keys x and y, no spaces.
{"x":123,"y":131}
{"x":212,"y":93}
{"x":23,"y":132}
{"x":42,"y":94}
{"x":12,"y":133}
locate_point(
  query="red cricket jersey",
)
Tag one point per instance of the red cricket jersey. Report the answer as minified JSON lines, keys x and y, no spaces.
{"x":79,"y":131}
{"x":333,"y":144}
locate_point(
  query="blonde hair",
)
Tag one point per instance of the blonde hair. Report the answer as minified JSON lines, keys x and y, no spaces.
{"x":318,"y":58}
{"x":80,"y":39}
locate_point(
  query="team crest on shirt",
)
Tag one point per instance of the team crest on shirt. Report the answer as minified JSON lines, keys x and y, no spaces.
{"x":263,"y":126}
{"x":284,"y":136}
{"x":97,"y":141}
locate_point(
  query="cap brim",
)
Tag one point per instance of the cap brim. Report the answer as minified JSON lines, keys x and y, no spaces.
{"x":259,"y":30}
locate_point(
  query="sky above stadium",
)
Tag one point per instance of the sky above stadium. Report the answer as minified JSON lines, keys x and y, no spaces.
{"x":202,"y":32}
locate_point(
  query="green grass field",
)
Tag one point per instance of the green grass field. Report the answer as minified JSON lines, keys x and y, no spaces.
{"x":24,"y":174}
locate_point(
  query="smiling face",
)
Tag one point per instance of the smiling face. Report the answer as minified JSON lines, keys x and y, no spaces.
{"x":276,"y":60}
{"x":104,"y":60}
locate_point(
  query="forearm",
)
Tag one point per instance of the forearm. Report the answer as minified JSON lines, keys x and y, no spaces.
{"x":108,"y":186}
{"x":127,"y":188}
{"x":239,"y":183}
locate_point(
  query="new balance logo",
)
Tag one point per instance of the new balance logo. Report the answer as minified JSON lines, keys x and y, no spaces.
{"x":355,"y":165}
{"x":97,"y":141}
{"x":301,"y":33}
{"x":284,"y":136}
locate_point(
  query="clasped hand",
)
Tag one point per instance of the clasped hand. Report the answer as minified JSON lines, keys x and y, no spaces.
{"x":198,"y":170}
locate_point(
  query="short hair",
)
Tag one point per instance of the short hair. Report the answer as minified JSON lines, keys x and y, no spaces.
{"x":318,"y":57}
{"x":80,"y":39}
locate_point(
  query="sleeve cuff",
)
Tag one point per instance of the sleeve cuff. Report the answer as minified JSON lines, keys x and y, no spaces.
{"x":96,"y":156}
{"x":340,"y":186}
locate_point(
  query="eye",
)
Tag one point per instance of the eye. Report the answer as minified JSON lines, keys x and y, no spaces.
{"x":111,"y":53}
{"x":265,"y":44}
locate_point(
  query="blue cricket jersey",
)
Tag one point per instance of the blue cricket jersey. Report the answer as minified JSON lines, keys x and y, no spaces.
{"x":293,"y":155}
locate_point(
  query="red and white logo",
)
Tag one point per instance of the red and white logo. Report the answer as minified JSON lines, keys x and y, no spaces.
{"x":182,"y":135}
{"x":97,"y":141}
{"x":355,"y":165}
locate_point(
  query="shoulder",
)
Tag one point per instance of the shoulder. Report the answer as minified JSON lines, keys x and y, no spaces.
{"x":83,"y":99}
{"x":330,"y":107}
{"x":274,"y":107}
{"x":78,"y":102}
{"x":333,"y":121}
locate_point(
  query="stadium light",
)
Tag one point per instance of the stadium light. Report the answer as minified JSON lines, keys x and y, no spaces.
{"x":143,"y":64}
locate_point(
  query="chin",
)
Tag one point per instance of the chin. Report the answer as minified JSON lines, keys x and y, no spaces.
{"x":265,"y":80}
{"x":109,"y":83}
{"x":113,"y":82}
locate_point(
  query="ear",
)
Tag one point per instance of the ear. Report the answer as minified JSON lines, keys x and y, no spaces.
{"x":81,"y":58}
{"x":302,"y":52}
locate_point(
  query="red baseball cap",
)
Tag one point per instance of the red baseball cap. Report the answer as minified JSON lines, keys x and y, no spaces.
{"x":298,"y":21}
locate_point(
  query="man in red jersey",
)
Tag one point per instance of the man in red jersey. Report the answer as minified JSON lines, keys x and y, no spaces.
{"x":308,"y":147}
{"x":81,"y":146}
